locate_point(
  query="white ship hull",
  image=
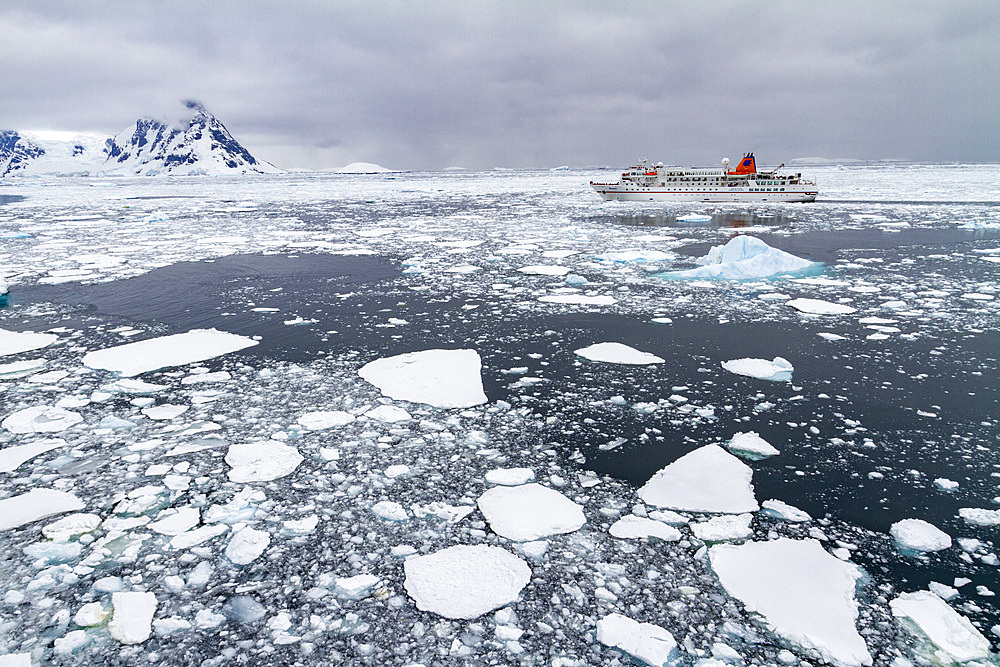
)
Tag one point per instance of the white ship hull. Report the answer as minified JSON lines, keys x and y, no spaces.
{"x":615,"y":192}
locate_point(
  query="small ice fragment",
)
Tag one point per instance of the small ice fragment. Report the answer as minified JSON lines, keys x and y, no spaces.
{"x":638,"y":527}
{"x":465,"y":581}
{"x":510,"y":476}
{"x":820,"y":307}
{"x":176,"y":521}
{"x":324,"y":419}
{"x":70,"y":526}
{"x":784,"y":511}
{"x":646,"y":642}
{"x":165,"y":412}
{"x":579,"y":299}
{"x":617,"y":353}
{"x":90,"y":614}
{"x":246,"y":545}
{"x":389,"y":414}
{"x":545,"y":270}
{"x":723,"y":528}
{"x":945,"y":484}
{"x":133,"y":616}
{"x":390,"y":511}
{"x":261,"y":461}
{"x":529,"y":512}
{"x":751,"y":446}
{"x":356,"y":587}
{"x":916,"y":535}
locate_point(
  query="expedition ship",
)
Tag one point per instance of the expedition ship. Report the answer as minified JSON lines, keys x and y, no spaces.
{"x":744,"y":184}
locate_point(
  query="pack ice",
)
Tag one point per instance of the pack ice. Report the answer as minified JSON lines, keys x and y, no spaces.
{"x":166,"y":351}
{"x":744,"y":258}
{"x":15,"y":342}
{"x":617,"y":353}
{"x":777,"y":370}
{"x":529,"y":512}
{"x":954,"y":637}
{"x":440,"y":378}
{"x":647,"y":642}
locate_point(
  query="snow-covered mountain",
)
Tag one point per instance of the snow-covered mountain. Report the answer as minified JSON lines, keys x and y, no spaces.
{"x":197,"y":145}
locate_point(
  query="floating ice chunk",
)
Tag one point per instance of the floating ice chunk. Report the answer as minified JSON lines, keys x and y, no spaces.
{"x":203,"y":378}
{"x":70,"y":526}
{"x":617,"y":353}
{"x":34,"y":505}
{"x":357,"y":587}
{"x":529,"y":512}
{"x":622,"y":256}
{"x":804,"y":594}
{"x":723,"y":528}
{"x":90,"y":614}
{"x":133,"y":387}
{"x":389,"y":414}
{"x":784,"y":511}
{"x":820,"y":307}
{"x":392,"y":472}
{"x":943,"y":591}
{"x":261,"y":461}
{"x":15,"y":342}
{"x":945,"y":484}
{"x":777,"y":370}
{"x":133,"y":617}
{"x":166,"y":351}
{"x":244,"y":609}
{"x":631,"y":527}
{"x":40,"y":419}
{"x":440,"y":378}
{"x":708,"y":479}
{"x":443,"y":511}
{"x":980,"y":517}
{"x":464,"y":582}
{"x":176,"y":521}
{"x":165,"y":412}
{"x":744,"y":258}
{"x":323,"y":419}
{"x":206,"y":618}
{"x":668,"y":517}
{"x":390,"y":511}
{"x":545,"y":270}
{"x":193,"y":538}
{"x":750,"y":445}
{"x":954,"y":636}
{"x":19,"y":369}
{"x":12,"y":457}
{"x":246,"y":545}
{"x":302,"y":526}
{"x":830,"y":336}
{"x":916,"y":535}
{"x":579,"y":299}
{"x":510,"y":476}
{"x":646,"y":642}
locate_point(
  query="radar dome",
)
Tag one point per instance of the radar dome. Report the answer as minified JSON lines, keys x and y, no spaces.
{"x":725,"y":162}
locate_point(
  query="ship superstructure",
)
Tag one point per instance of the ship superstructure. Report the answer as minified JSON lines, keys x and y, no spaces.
{"x":643,"y":182}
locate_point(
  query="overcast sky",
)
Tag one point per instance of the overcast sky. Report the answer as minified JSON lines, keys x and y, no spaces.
{"x":429,"y":85}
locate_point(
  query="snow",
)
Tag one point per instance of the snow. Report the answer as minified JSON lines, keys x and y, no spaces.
{"x":632,"y":527}
{"x":723,"y":528}
{"x":34,"y":505}
{"x":510,"y":476}
{"x":820,"y":307}
{"x":15,"y":342}
{"x":529,"y":512}
{"x":133,"y":616}
{"x":804,"y":594}
{"x":11,"y":458}
{"x":617,"y":353}
{"x":916,"y":535}
{"x":246,"y":545}
{"x":166,"y":351}
{"x":324,"y":419}
{"x":708,"y":479}
{"x":750,"y":445}
{"x":261,"y":461}
{"x":777,"y":370}
{"x":41,"y":419}
{"x":440,"y":378}
{"x":955,"y":638}
{"x":744,"y":258}
{"x":465,"y":581}
{"x":645,"y":642}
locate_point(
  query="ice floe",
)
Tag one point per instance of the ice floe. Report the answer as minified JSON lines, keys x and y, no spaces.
{"x":980,"y":517}
{"x":777,"y":370}
{"x":724,"y":528}
{"x":510,"y":476}
{"x":751,"y":446}
{"x":545,"y":270}
{"x":955,"y":639}
{"x":246,"y":545}
{"x":465,"y":581}
{"x":744,"y":258}
{"x":166,"y":351}
{"x":440,"y":378}
{"x":579,"y":299}
{"x":15,"y":342}
{"x":529,"y":512}
{"x":804,"y":594}
{"x":617,"y":353}
{"x":708,"y":479}
{"x":41,"y":419}
{"x":133,"y":616}
{"x":784,"y":511}
{"x":324,"y":419}
{"x":645,"y":642}
{"x":820,"y":307}
{"x":34,"y":505}
{"x":916,"y":535}
{"x":261,"y":461}
{"x":12,"y":457}
{"x":633,"y":527}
